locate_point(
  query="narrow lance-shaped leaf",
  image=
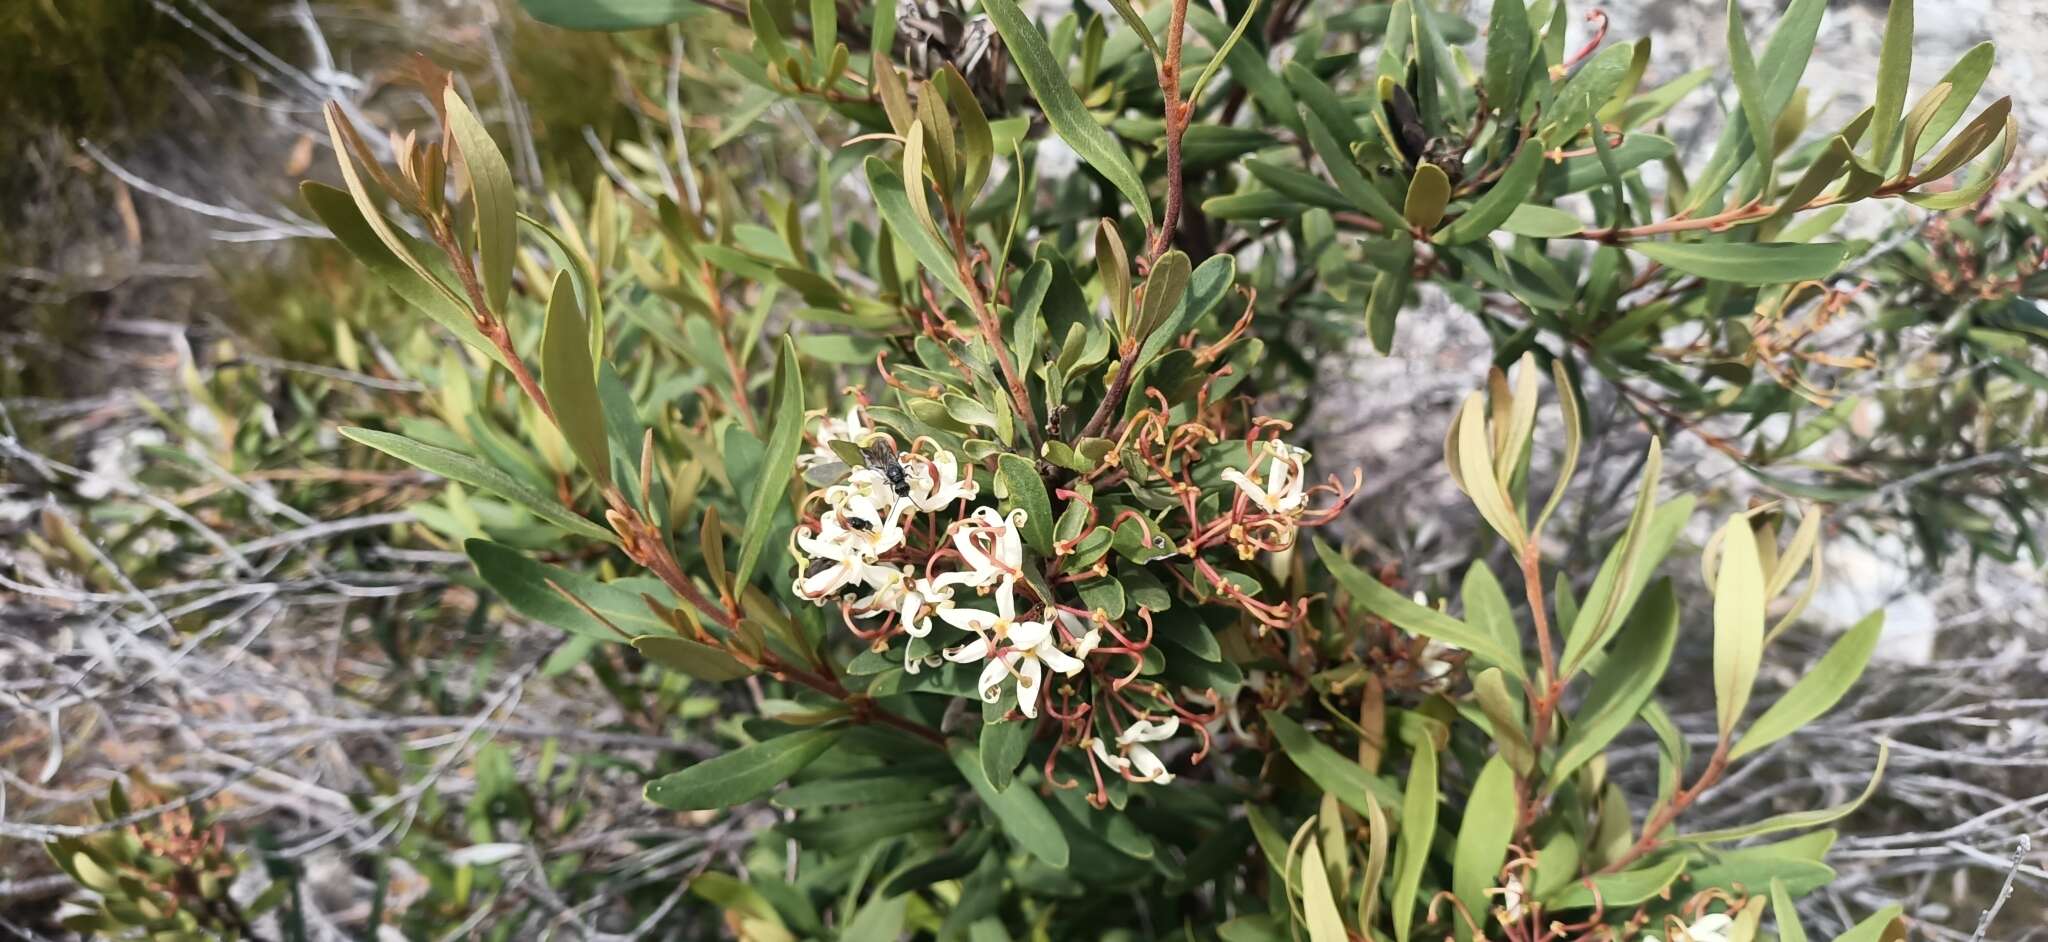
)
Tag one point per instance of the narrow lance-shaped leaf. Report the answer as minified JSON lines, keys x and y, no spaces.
{"x":570,"y":383}
{"x":1747,"y":263}
{"x":785,"y":438}
{"x":456,"y":466}
{"x":1483,"y":838}
{"x":344,"y":216}
{"x":1367,"y":593}
{"x":1818,"y":690}
{"x":741,"y":775}
{"x":1063,"y":109}
{"x":1738,"y":622}
{"x":1021,"y":812}
{"x":1894,"y":72}
{"x":1418,"y":831}
{"x":892,"y":200}
{"x":1500,"y":200}
{"x":492,"y":193}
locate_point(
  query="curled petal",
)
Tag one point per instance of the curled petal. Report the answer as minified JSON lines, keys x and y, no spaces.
{"x":974,"y":651}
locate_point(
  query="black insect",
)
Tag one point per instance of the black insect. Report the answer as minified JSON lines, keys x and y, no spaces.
{"x":1414,"y":142}
{"x":857,"y":523}
{"x":881,"y":457}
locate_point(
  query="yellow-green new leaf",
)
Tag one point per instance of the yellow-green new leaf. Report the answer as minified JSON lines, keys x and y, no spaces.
{"x":1819,"y":690}
{"x":569,"y":381}
{"x":1428,"y":193}
{"x":1738,"y":622}
{"x":492,"y":194}
{"x":1319,"y":905}
{"x":1614,"y":890}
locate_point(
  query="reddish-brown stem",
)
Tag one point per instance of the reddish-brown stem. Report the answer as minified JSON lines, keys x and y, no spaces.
{"x":488,"y":322}
{"x":992,"y":333}
{"x":732,"y":359}
{"x":1669,"y":813}
{"x":1176,"y":121}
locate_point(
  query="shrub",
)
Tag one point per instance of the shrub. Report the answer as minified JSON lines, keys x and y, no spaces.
{"x":974,"y":477}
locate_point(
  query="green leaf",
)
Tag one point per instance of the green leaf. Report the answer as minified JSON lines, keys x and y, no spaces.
{"x":1389,"y":292}
{"x":1797,"y":820}
{"x":1337,"y":160}
{"x":1483,"y":837}
{"x":1747,"y":263}
{"x":1020,"y":811}
{"x":1749,"y":88}
{"x":1738,"y":622}
{"x":570,"y":382}
{"x":881,"y":920}
{"x":1021,"y":488}
{"x":1789,"y":928}
{"x":1063,"y":109}
{"x":1486,"y":607}
{"x":1626,"y":888}
{"x":464,"y":469}
{"x":694,"y":658}
{"x":1002,"y":748}
{"x":1418,"y":830}
{"x":490,"y":189}
{"x":1964,"y":79}
{"x":1875,"y":928}
{"x":785,"y":438}
{"x":1894,"y":72}
{"x":1500,"y":201}
{"x":741,"y":775}
{"x":1428,"y":193}
{"x":610,"y":15}
{"x":1367,"y":593}
{"x":1627,"y":677}
{"x":524,"y":584}
{"x":344,"y":217}
{"x":1223,"y":51}
{"x":1508,"y":44}
{"x":1818,"y":690}
{"x":1165,"y":288}
{"x":893,"y":202}
{"x":1331,"y":771}
{"x":1542,"y":222}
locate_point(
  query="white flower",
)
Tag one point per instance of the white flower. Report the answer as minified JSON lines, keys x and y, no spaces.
{"x":1285,"y":475}
{"x":920,"y":602}
{"x":991,"y":548}
{"x":1435,"y":661}
{"x":890,"y":587}
{"x":1138,"y":761}
{"x":842,"y":553}
{"x":1513,"y":897}
{"x":849,"y":429}
{"x":936,"y":481}
{"x":1712,"y":927}
{"x":1023,"y":649}
{"x":1086,"y":636}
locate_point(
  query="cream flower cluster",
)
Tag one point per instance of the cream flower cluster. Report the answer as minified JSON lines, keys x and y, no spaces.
{"x":1286,"y":474}
{"x":864,"y":520}
{"x":865,"y":515}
